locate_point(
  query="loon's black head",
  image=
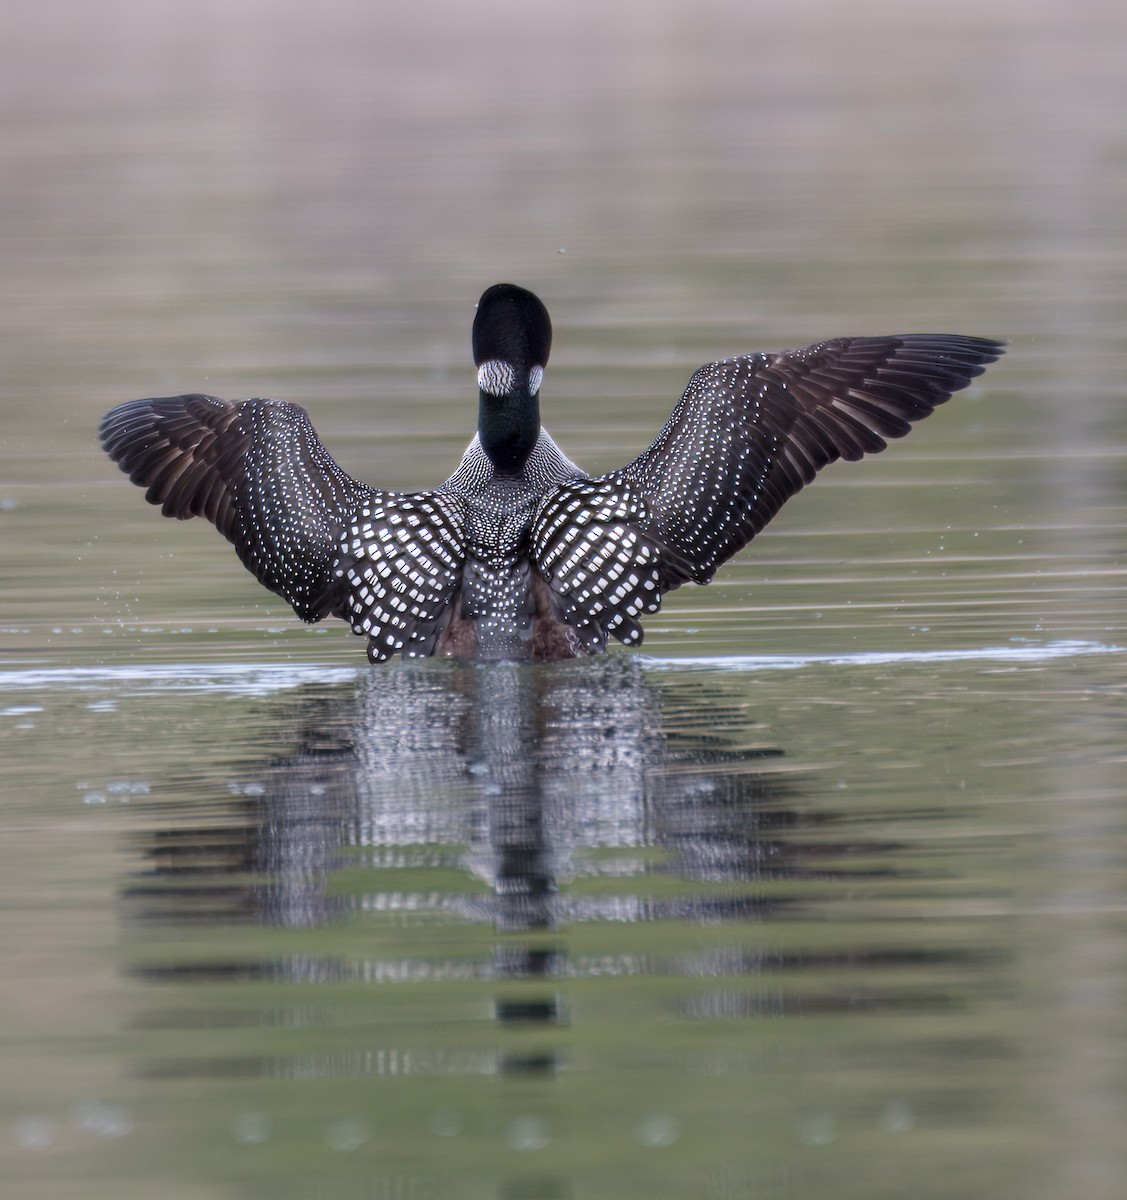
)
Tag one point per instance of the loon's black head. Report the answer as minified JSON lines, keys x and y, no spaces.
{"x":512,"y":336}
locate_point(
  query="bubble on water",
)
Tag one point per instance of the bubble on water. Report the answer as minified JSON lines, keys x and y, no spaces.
{"x":445,"y":1122}
{"x":527,"y":1133}
{"x":896,"y":1117}
{"x":100,"y":1119}
{"x":657,"y":1129}
{"x":817,"y":1129}
{"x":250,"y":1128}
{"x":237,"y":788}
{"x":346,"y":1134}
{"x":124,"y":788}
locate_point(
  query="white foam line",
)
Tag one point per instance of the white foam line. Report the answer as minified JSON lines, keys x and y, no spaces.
{"x":243,"y":679}
{"x":262,"y":679}
{"x":1022,"y":653}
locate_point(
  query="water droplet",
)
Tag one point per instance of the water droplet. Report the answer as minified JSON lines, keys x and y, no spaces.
{"x":34,"y":1133}
{"x":657,"y":1129}
{"x":817,"y":1129}
{"x":527,"y":1133}
{"x":445,"y":1122}
{"x":896,"y":1117}
{"x":346,"y":1134}
{"x":250,"y":1128}
{"x":102,"y":1120}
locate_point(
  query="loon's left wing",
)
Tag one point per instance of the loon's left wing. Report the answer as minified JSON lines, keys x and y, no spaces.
{"x":746,"y":435}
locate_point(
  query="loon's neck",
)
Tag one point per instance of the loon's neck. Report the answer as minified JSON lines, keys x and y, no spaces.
{"x":508,"y":428}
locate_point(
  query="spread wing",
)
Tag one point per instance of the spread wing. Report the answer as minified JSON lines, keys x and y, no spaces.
{"x":257,"y":471}
{"x":746,"y":435}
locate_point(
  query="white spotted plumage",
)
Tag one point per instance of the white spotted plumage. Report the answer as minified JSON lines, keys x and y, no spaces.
{"x":399,"y":562}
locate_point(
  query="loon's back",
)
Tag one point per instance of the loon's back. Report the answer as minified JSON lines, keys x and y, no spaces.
{"x":474,"y":584}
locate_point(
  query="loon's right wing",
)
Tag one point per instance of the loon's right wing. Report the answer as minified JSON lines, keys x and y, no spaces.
{"x":257,"y":471}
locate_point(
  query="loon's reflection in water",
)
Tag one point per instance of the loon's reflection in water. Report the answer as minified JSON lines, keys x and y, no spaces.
{"x":523,"y":776}
{"x":598,"y":791}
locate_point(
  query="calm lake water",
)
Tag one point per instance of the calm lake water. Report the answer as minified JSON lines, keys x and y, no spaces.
{"x":822,"y":894}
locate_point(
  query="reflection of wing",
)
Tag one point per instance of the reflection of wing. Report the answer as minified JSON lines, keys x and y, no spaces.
{"x":257,"y":471}
{"x":400,"y":565}
{"x":747,"y":434}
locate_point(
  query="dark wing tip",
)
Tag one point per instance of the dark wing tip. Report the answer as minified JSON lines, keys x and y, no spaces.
{"x":172,"y":446}
{"x":134,"y":418}
{"x":950,"y":359}
{"x":859,"y":391}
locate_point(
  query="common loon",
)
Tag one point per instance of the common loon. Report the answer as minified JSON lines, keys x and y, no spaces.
{"x":520,"y":554}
